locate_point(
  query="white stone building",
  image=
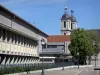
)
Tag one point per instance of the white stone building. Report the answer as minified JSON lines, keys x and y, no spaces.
{"x":20,"y":41}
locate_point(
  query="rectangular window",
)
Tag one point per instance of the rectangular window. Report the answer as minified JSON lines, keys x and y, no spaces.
{"x":13,"y":38}
{"x":64,"y":24}
{"x":0,"y":34}
{"x":32,"y":45}
{"x":4,"y":35}
{"x":19,"y":41}
{"x":8,"y":37}
{"x":48,"y":46}
{"x":16,"y":39}
{"x":24,"y":42}
{"x":53,"y":46}
{"x":71,"y":26}
{"x":27,"y":42}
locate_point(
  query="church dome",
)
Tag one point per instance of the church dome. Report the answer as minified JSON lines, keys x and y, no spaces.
{"x":65,"y":17}
{"x":73,"y":19}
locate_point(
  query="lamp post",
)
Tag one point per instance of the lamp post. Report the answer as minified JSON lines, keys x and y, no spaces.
{"x":78,"y":59}
{"x":42,"y":43}
{"x":95,"y":59}
{"x":63,"y":59}
{"x":94,"y":44}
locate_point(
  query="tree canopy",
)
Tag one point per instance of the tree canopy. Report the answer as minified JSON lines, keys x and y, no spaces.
{"x":95,"y":34}
{"x":81,"y":43}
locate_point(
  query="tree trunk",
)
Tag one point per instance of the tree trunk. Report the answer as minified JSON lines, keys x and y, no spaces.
{"x":85,"y":62}
{"x":89,"y":59}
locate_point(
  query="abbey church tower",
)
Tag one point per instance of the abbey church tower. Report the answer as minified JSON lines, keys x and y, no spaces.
{"x":68,"y":23}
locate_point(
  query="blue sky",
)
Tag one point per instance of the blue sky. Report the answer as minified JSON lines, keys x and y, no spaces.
{"x":46,"y":14}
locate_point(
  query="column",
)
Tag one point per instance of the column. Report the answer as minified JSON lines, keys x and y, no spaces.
{"x":13,"y":43}
{"x":27,"y":46}
{"x":28,"y":50}
{"x":8,"y":44}
{"x":23,"y":45}
{"x":19,"y":44}
{"x":6,"y":41}
{"x":3,"y":41}
{"x":0,"y":39}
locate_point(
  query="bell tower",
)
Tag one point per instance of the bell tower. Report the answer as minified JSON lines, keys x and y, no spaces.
{"x":65,"y":23}
{"x":73,"y":21}
{"x":68,"y":23}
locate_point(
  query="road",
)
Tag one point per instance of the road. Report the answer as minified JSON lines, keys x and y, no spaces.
{"x":71,"y":71}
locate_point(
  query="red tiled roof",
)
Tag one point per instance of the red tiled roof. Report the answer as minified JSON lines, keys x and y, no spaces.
{"x":58,"y":38}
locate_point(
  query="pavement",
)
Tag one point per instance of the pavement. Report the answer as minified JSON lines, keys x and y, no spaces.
{"x":69,"y":71}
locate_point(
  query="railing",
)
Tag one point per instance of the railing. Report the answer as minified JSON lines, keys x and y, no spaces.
{"x":16,"y":68}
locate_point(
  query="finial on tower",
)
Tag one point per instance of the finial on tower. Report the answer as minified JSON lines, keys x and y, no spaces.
{"x":72,"y":12}
{"x":66,"y":9}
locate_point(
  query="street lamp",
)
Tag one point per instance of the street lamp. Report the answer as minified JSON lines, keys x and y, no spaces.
{"x":42,"y":43}
{"x":78,"y":59}
{"x":95,"y":59}
{"x":94,"y":44}
{"x":63,"y":59}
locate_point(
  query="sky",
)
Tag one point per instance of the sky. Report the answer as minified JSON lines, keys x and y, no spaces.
{"x":46,"y":14}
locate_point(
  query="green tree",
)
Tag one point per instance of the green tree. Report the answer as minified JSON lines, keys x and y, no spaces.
{"x":96,"y":39}
{"x":81,"y":43}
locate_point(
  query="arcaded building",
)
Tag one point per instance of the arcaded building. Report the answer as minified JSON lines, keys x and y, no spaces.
{"x":20,"y":41}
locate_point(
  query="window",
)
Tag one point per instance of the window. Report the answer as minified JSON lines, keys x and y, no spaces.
{"x":26,"y":42}
{"x":44,"y":46}
{"x":0,"y":34}
{"x":19,"y":40}
{"x":22,"y":41}
{"x":8,"y":37}
{"x":71,"y":26}
{"x":4,"y":35}
{"x":53,"y":46}
{"x":16,"y":39}
{"x":64,"y":24}
{"x":48,"y":46}
{"x":13,"y":38}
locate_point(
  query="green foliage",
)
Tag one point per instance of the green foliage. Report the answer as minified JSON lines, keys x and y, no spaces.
{"x":18,"y":69}
{"x":95,"y":34}
{"x":81,"y":43}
